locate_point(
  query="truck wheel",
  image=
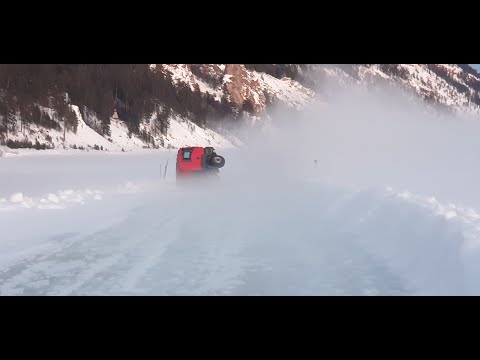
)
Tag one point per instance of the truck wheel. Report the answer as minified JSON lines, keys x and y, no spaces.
{"x":217,"y":161}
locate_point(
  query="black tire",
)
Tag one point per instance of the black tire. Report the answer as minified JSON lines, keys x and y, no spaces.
{"x":216,"y":161}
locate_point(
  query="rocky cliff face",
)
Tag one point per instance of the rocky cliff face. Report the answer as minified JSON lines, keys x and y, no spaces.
{"x":245,"y":89}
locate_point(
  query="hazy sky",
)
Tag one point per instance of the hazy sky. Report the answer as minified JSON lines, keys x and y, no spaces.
{"x":475,"y":66}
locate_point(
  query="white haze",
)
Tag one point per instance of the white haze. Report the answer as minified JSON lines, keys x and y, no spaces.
{"x":381,"y":137}
{"x":275,"y":223}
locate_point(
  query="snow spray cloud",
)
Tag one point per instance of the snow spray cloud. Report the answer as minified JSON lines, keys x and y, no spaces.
{"x":366,"y":139}
{"x":374,"y":138}
{"x":361,"y":139}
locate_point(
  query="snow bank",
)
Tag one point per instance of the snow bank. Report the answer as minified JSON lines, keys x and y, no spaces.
{"x":58,"y":200}
{"x":7,"y":152}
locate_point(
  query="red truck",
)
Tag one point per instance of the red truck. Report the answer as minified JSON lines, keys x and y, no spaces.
{"x":193,"y":161}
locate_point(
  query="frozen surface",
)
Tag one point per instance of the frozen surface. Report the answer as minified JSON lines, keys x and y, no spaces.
{"x":103,"y":224}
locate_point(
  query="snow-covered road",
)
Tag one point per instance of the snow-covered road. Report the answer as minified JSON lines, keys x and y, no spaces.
{"x":106,"y":224}
{"x":236,"y":250}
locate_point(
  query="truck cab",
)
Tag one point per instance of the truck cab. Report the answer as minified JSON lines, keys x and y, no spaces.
{"x":195,"y":161}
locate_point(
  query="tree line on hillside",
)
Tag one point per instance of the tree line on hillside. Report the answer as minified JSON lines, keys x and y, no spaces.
{"x":136,"y":92}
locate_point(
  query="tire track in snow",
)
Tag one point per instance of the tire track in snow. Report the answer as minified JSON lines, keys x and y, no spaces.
{"x":315,"y":242}
{"x":105,"y":261}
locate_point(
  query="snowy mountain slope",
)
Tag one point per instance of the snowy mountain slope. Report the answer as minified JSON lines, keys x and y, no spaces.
{"x":238,"y":84}
{"x":453,"y":85}
{"x":181,"y":132}
{"x":456,"y":86}
{"x":184,"y":133}
{"x":182,"y":73}
{"x":250,"y":93}
{"x":231,"y":86}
